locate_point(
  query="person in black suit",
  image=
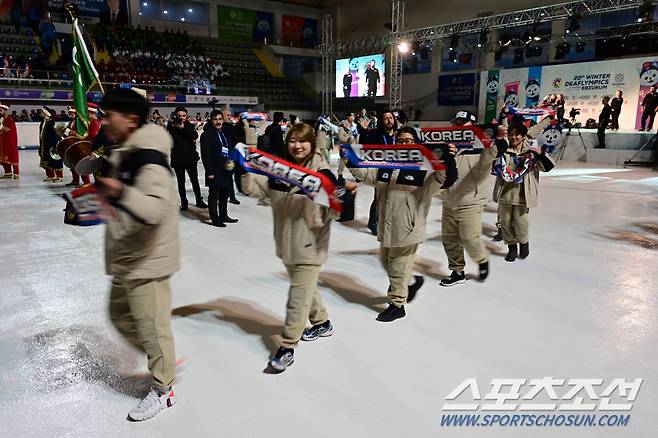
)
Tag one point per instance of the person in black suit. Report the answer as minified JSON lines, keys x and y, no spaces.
{"x":649,"y":108}
{"x":184,"y":157}
{"x":275,"y":135}
{"x":235,"y":134}
{"x":347,"y":83}
{"x":604,"y":119}
{"x":215,"y":147}
{"x":615,"y":105}
{"x":114,"y":13}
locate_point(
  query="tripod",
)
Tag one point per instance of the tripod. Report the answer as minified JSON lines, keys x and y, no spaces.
{"x":630,"y":162}
{"x":568,"y":135}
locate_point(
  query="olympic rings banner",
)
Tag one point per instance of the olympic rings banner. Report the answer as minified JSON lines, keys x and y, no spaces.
{"x":583,"y":85}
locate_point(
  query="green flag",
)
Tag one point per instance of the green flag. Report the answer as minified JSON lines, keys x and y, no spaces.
{"x":85,"y":77}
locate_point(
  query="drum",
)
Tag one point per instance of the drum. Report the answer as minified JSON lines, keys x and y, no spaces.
{"x":78,"y":154}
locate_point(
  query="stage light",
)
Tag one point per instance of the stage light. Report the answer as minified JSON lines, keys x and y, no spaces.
{"x":573,"y":23}
{"x":483,"y":38}
{"x":645,"y":11}
{"x":504,"y":40}
{"x":182,"y":18}
{"x":145,"y":4}
{"x":403,"y":47}
{"x":189,"y":10}
{"x":454,"y":41}
{"x":452,"y":56}
{"x":165,"y":12}
{"x":580,"y":47}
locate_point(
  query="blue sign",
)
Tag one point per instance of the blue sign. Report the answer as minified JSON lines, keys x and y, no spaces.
{"x":457,"y":89}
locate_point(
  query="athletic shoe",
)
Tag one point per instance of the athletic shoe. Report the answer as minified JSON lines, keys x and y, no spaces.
{"x":511,"y":253}
{"x":524,"y":250}
{"x":412,"y":289}
{"x":229,"y":220}
{"x":499,"y":236}
{"x":218,"y":224}
{"x":234,"y":201}
{"x":373,"y":229}
{"x":201,"y":204}
{"x":7,"y":176}
{"x":283,"y":358}
{"x":154,"y":402}
{"x":484,"y":270}
{"x":17,"y":176}
{"x":319,"y":330}
{"x":455,"y":278}
{"x":183,"y":206}
{"x":391,"y":313}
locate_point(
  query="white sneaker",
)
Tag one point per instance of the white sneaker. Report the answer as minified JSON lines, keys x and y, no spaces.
{"x":153,"y":403}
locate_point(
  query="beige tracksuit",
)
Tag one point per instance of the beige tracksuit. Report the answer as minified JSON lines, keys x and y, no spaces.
{"x":142,"y":252}
{"x":515,"y":200}
{"x":463,"y":204}
{"x":301,"y":234}
{"x":402,"y":210}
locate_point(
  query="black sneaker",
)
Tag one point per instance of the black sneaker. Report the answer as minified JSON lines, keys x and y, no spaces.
{"x":411,"y":294}
{"x":319,"y":330}
{"x":511,"y":253}
{"x":484,"y":270}
{"x":524,"y":250}
{"x":455,"y":278}
{"x":183,"y":206}
{"x":218,"y":224}
{"x":373,"y":229}
{"x":283,"y":358}
{"x":234,"y":201}
{"x":201,"y":204}
{"x":229,"y":220}
{"x":499,"y":236}
{"x":391,"y":314}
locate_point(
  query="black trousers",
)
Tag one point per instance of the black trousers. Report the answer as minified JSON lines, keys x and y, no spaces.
{"x":600,"y":133}
{"x":615,"y":121}
{"x":373,"y":217}
{"x":347,"y":91}
{"x":218,"y":203}
{"x":650,"y":115}
{"x":194,"y":177}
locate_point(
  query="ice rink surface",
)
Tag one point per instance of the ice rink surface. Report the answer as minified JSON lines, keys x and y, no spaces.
{"x":583,"y":305}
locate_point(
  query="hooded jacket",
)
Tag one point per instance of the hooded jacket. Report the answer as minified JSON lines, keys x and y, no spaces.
{"x":301,"y":226}
{"x":473,"y":187}
{"x":141,"y":242}
{"x":530,"y":179}
{"x":403,"y":201}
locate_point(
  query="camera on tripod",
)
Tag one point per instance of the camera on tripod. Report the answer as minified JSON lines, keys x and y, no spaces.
{"x":574,"y":112}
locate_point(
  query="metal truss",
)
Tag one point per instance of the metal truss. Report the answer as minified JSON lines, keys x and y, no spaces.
{"x":519,"y":18}
{"x":327,"y":50}
{"x":434,"y":34}
{"x":395,"y":77}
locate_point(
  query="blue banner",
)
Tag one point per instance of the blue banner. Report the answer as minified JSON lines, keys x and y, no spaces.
{"x":457,"y":89}
{"x":533,"y":87}
{"x":310,"y":33}
{"x":264,"y":27}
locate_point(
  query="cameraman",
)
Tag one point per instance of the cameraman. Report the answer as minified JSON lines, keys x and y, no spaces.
{"x":184,"y":156}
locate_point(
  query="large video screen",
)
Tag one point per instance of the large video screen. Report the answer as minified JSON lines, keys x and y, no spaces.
{"x":362,"y":76}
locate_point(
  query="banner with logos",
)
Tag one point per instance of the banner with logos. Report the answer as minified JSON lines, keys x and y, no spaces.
{"x":299,"y":31}
{"x":109,"y":12}
{"x":457,"y":89}
{"x":9,"y":94}
{"x":583,"y":85}
{"x":240,"y":24}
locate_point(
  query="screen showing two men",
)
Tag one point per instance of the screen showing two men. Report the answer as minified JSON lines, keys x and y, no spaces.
{"x":361,"y":77}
